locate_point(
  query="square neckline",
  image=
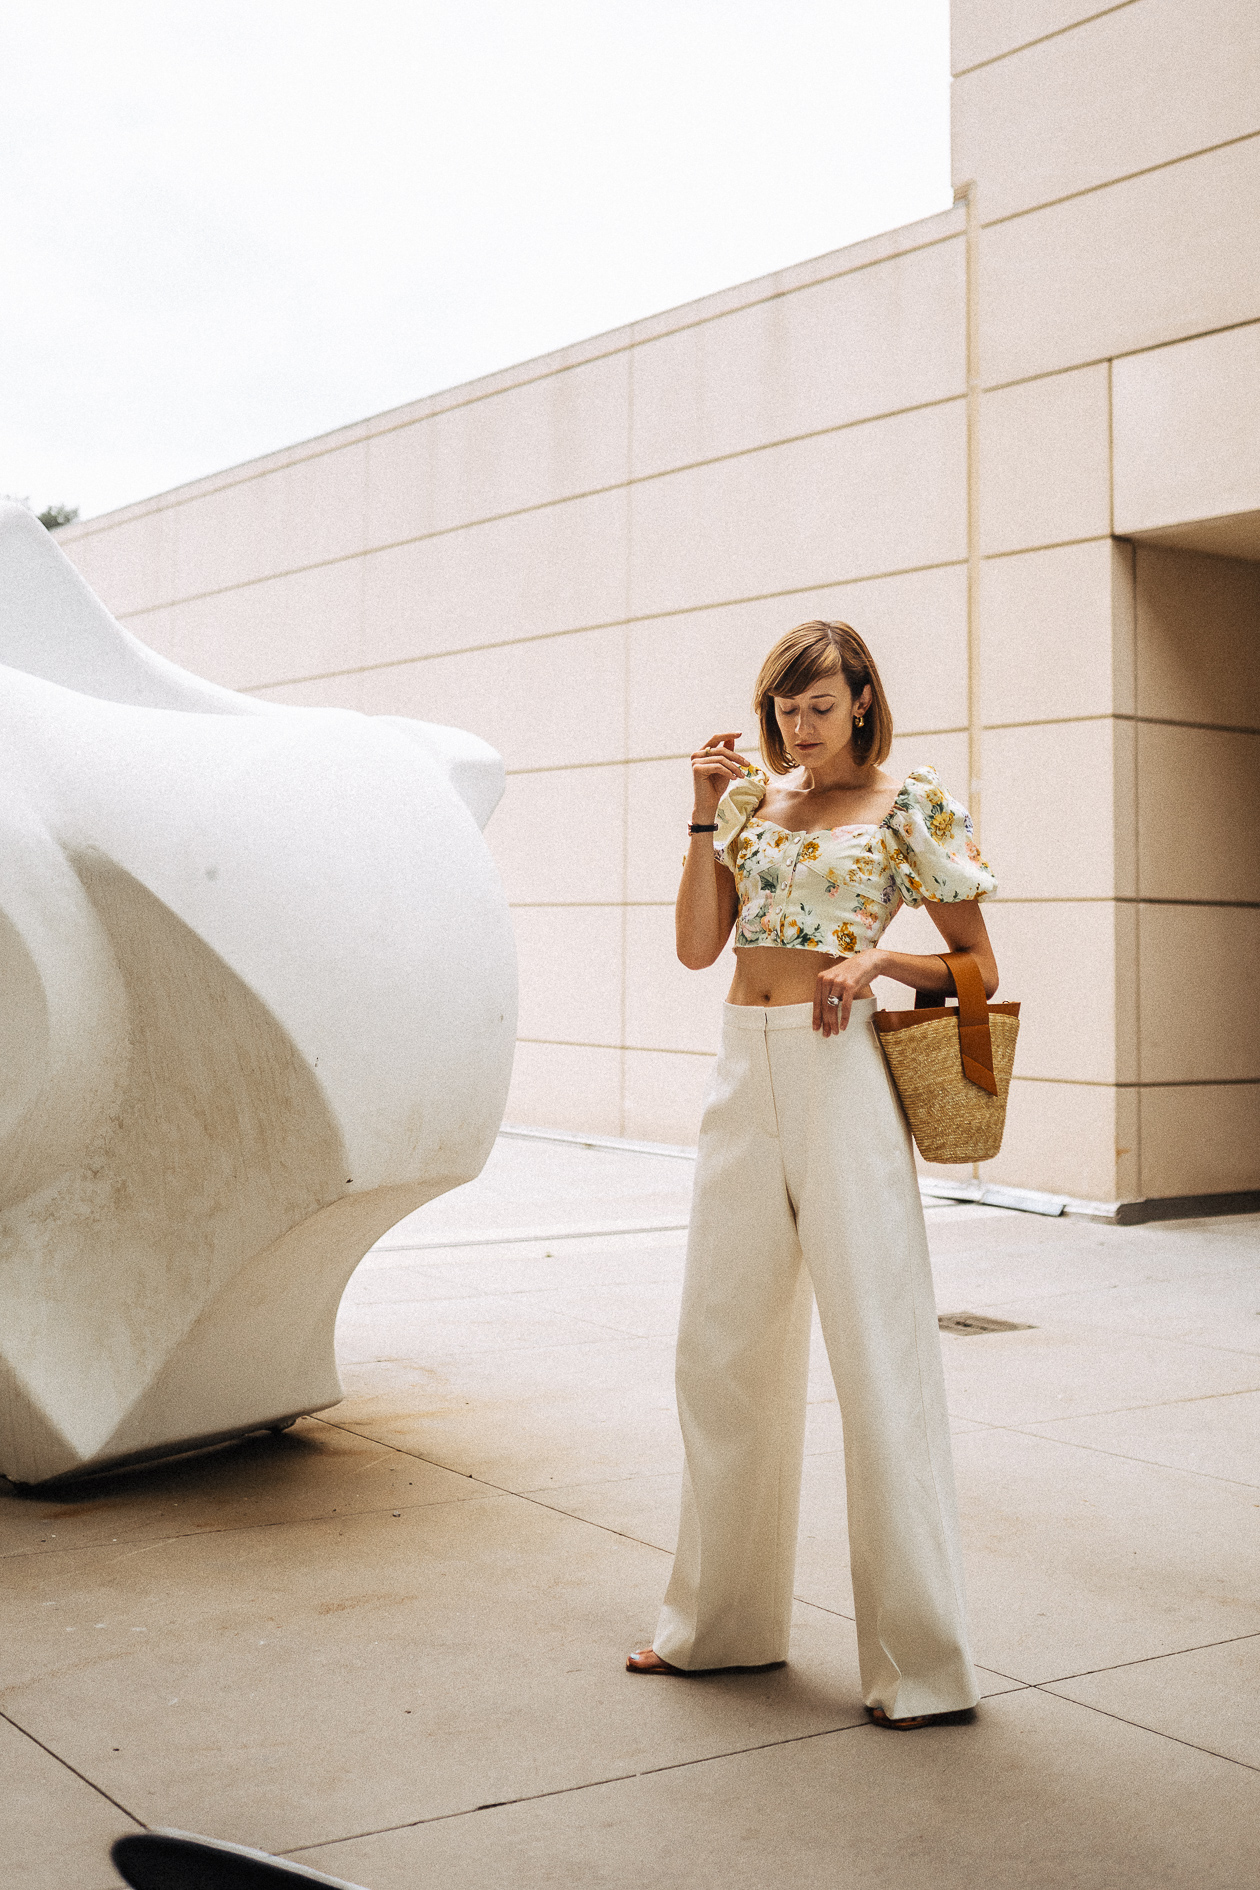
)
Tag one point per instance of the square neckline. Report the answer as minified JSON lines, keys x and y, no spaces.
{"x":859,"y":826}
{"x":852,"y":826}
{"x":849,"y":826}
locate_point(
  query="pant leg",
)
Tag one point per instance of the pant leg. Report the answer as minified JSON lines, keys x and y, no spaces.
{"x":860,"y":1220}
{"x":743,"y":1359}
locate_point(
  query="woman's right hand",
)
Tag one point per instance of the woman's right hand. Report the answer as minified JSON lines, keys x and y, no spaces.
{"x":713,"y":768}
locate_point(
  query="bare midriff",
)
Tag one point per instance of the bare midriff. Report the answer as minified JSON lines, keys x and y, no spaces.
{"x":779,"y":974}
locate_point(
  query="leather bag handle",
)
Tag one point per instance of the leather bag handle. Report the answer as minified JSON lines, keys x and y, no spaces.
{"x":975,"y":1040}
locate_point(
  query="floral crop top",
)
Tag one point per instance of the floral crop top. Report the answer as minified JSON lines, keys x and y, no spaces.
{"x":835,"y":890}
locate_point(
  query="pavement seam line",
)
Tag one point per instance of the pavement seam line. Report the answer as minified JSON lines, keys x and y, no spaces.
{"x":1017,"y":1685}
{"x":584,"y":1785}
{"x":1122,"y":1719}
{"x":73,"y":1769}
{"x":1144,"y":1660}
{"x":232,"y":1529}
{"x":1159,"y":1404}
{"x":500,"y":1489}
{"x":288,"y":1522}
{"x":1198,"y":1345}
{"x":1151,"y":1463}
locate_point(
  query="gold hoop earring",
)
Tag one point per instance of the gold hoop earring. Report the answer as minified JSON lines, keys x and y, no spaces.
{"x":858,"y":721}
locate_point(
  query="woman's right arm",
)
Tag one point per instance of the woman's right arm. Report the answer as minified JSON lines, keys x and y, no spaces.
{"x":705,"y":908}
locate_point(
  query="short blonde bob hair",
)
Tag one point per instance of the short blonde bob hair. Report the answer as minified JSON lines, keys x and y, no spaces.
{"x":803,"y":657}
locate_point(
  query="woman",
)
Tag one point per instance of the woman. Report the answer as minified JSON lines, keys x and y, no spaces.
{"x":806,"y":1177}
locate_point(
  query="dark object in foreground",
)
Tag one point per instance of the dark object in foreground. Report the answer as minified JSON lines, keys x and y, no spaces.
{"x":961,"y":1716}
{"x":174,"y":1860}
{"x":968,"y":1324}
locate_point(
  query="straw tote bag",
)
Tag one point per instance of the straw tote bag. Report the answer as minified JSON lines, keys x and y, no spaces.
{"x":952,"y":1068}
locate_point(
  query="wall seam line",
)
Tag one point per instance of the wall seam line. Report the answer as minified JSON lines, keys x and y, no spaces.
{"x":547,"y":505}
{"x":1053,"y":544}
{"x":175,"y":497}
{"x":1127,"y":177}
{"x":1172,"y":1082}
{"x":628,"y":605}
{"x":1126,"y":715}
{"x":1135,"y":784}
{"x":587,"y":629}
{"x":994,"y":899}
{"x":1121,"y":899}
{"x":1061,"y":1082}
{"x":1124,"y":354}
{"x":625,"y":1049}
{"x":1041,"y":39}
{"x":975,"y":722}
{"x":646,"y":761}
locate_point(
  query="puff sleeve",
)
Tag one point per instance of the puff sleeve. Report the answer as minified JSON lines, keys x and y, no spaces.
{"x":930,"y":846}
{"x":741,"y":799}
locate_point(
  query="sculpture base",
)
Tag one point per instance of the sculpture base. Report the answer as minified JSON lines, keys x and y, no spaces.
{"x":162,"y":1453}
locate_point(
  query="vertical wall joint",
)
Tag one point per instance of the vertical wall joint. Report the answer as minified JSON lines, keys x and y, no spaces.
{"x":966,"y":194}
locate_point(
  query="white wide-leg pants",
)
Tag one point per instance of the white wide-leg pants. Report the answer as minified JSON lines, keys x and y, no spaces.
{"x":805,"y":1175}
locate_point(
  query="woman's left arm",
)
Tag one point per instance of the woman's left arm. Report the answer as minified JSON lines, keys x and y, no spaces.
{"x":960,"y":923}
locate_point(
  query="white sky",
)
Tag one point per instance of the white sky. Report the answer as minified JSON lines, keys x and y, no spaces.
{"x":227,"y":227}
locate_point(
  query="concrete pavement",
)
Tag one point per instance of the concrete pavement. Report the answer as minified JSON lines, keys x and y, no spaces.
{"x":390,"y":1642}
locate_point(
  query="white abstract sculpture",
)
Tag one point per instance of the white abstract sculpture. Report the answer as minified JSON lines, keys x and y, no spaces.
{"x":257,"y":1002}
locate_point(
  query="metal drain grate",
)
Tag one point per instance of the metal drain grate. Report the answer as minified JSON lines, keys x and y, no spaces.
{"x":967,"y":1324}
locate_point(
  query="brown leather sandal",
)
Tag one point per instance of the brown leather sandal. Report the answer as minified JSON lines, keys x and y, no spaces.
{"x":647,"y":1660}
{"x":962,"y":1717}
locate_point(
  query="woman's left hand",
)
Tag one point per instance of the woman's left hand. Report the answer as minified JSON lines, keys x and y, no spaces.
{"x":836,"y":988}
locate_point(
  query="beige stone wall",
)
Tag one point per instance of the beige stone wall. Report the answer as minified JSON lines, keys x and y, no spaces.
{"x":1116,"y":257}
{"x":1189,"y":827}
{"x":1016,"y":444}
{"x":584,"y":561}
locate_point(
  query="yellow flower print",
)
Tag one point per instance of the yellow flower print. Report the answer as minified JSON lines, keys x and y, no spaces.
{"x":927,"y":841}
{"x":864,"y":867}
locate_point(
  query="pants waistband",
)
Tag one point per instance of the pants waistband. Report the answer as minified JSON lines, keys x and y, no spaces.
{"x":784,"y":1016}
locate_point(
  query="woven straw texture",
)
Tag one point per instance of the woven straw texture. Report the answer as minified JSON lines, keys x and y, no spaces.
{"x":950,"y":1119}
